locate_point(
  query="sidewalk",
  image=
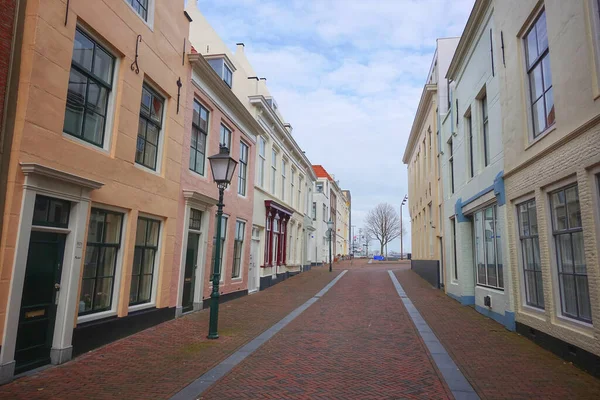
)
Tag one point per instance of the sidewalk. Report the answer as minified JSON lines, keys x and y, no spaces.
{"x":499,"y":364}
{"x":158,"y":362}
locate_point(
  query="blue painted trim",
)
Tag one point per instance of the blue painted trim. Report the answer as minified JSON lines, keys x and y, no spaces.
{"x":508,"y":319}
{"x":460,"y":217}
{"x":478,"y":195}
{"x":464,"y":300}
{"x":499,"y":189}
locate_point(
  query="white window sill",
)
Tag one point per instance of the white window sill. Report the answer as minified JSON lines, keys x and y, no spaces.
{"x":143,"y":168}
{"x":239,"y":279}
{"x":96,"y":316}
{"x":139,"y":307}
{"x":148,"y":24}
{"x":75,"y":139}
{"x":541,"y":136}
{"x":575,"y":325}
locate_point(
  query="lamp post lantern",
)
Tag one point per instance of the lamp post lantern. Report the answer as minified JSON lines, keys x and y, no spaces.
{"x":223,"y":167}
{"x":401,"y":241}
{"x":330,"y":226}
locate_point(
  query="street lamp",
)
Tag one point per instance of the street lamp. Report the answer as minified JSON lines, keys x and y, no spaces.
{"x":330,"y":226}
{"x":222,"y":166}
{"x":401,"y":241}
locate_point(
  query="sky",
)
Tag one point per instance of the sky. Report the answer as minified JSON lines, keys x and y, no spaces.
{"x":348,"y":76}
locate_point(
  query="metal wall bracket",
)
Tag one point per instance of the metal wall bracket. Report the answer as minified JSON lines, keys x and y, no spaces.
{"x":67,"y":13}
{"x":134,"y":65}
{"x":179,"y":85}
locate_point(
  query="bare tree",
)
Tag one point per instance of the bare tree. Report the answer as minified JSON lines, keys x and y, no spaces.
{"x":383,"y":223}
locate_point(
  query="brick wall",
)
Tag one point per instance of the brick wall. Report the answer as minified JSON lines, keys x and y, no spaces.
{"x":7,"y":17}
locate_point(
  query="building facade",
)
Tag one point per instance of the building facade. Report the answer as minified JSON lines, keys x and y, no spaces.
{"x":94,"y":175}
{"x":281,"y":226}
{"x":476,"y":250}
{"x":422,"y":157}
{"x":551,"y":126}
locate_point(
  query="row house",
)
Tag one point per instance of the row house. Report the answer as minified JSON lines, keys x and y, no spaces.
{"x":93,"y":180}
{"x":422,"y":157}
{"x":520,"y":162}
{"x":281,"y":231}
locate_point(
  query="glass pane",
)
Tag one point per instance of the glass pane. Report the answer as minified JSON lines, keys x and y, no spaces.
{"x":533,"y":226}
{"x":96,"y":226}
{"x":574,"y":216}
{"x":568,"y":294}
{"x":145,"y":288}
{"x":558,"y":211}
{"x":112,"y":228}
{"x":583,"y":297}
{"x":565,"y":256}
{"x":539,"y":117}
{"x":540,"y":289}
{"x":193,"y":160}
{"x":103,"y":293}
{"x":58,"y":213}
{"x":551,"y":115}
{"x":542,"y":34}
{"x":108,"y":259}
{"x":196,"y":115}
{"x":97,"y":97}
{"x":137,"y":261}
{"x":75,"y":102}
{"x":40,"y":210}
{"x":93,"y":128}
{"x":150,"y":156}
{"x":152,"y":134}
{"x":139,"y":150}
{"x":204,"y":119}
{"x":133,"y":293}
{"x":578,"y":253}
{"x":194,"y":143}
{"x":90,"y":263}
{"x":87,"y":292}
{"x":153,"y":233}
{"x":530,"y":287}
{"x":148,"y":264}
{"x":157,"y":109}
{"x":103,"y":65}
{"x":528,"y":257}
{"x":489,"y":246}
{"x":547,"y":72}
{"x":146,"y":102}
{"x":523,"y":220}
{"x":535,"y":80}
{"x":199,"y":163}
{"x":498,"y":234}
{"x":140,"y":235}
{"x":536,"y":254}
{"x":83,"y":50}
{"x":531,"y":43}
{"x":479,"y":248}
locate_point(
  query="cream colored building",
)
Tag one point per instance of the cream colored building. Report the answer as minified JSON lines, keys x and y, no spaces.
{"x":422,"y":155}
{"x":551,"y":136}
{"x":281,"y":229}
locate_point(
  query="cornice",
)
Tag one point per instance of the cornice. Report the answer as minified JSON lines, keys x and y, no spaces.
{"x":41,"y":170}
{"x":426,"y":99}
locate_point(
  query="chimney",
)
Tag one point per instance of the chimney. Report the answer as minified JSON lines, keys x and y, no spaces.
{"x":288,"y":127}
{"x":239,"y":47}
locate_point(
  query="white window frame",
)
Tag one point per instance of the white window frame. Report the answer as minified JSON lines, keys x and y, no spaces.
{"x":273,"y":187}
{"x":241,"y":276}
{"x":161,"y":133}
{"x":283,"y":177}
{"x":150,"y":20}
{"x":247,"y":165}
{"x":262,"y":161}
{"x":594,"y":15}
{"x":292,"y":186}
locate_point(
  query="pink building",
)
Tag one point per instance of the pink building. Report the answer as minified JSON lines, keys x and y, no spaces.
{"x":213,"y":116}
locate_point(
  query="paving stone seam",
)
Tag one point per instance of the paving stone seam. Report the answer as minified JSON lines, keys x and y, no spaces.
{"x":454,"y":378}
{"x":200,"y":385}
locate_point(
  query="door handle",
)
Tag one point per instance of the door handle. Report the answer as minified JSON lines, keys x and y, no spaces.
{"x":57,"y":286}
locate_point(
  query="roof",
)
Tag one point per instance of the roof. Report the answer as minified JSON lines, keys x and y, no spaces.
{"x":321,"y":172}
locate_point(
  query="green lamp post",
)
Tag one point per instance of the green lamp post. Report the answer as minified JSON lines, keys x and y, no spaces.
{"x":223,"y":167}
{"x":330,"y":226}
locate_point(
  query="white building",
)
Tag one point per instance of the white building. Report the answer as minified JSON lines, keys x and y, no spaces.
{"x":476,"y":256}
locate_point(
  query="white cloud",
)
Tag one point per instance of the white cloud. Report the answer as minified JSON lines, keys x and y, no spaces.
{"x":348,"y":75}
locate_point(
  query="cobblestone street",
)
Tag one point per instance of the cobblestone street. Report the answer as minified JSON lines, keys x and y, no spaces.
{"x":355,"y":341}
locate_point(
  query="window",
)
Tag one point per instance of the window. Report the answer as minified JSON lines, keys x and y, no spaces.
{"x":275,"y":248}
{"x":314,"y":211}
{"x":243,"y":168}
{"x":90,"y":85}
{"x":103,"y":243}
{"x":151,"y":117}
{"x":225,"y":137}
{"x":485,"y":131}
{"x":261,"y":161}
{"x":299,"y":201}
{"x":530,"y":249}
{"x":324,"y":213}
{"x":195,"y":222}
{"x":488,"y":248}
{"x":283,"y":165}
{"x":222,"y":238}
{"x":540,"y":76}
{"x":141,"y":7}
{"x":199,"y":134}
{"x":144,"y":259}
{"x":451,"y":163}
{"x":568,"y":239}
{"x":48,"y":211}
{"x":319,"y":186}
{"x":227,"y":75}
{"x":273,"y":171}
{"x":238,"y":245}
{"x":292,"y":193}
{"x":469,"y":125}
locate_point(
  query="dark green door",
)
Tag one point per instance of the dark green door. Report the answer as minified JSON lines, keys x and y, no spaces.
{"x":38,"y":305}
{"x":189,"y":277}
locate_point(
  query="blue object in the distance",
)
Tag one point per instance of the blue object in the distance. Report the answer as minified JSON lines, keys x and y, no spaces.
{"x":378,"y":258}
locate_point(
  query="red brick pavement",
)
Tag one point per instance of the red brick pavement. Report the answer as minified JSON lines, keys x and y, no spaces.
{"x":160,"y":361}
{"x":498,"y":363}
{"x":356,"y":342}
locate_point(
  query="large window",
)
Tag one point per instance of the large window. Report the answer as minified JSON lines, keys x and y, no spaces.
{"x":485,"y":130}
{"x":319,"y":187}
{"x":90,"y":84}
{"x":451,"y":163}
{"x":300,"y":182}
{"x":151,"y":119}
{"x":568,"y":240}
{"x":292,"y":187}
{"x":314,"y":211}
{"x":243,"y":168}
{"x":273,"y":171}
{"x":225,"y":137}
{"x":199,"y":134}
{"x":238,"y":245}
{"x":283,"y":172}
{"x":144,"y":260}
{"x":222,"y":236}
{"x":530,"y":249}
{"x":227,"y":75}
{"x":324,"y":213}
{"x":488,"y":248}
{"x":469,"y":125}
{"x":540,"y":76}
{"x":261,"y":161}
{"x":103,"y":243}
{"x":141,"y":7}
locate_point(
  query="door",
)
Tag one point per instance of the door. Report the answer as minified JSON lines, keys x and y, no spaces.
{"x":252,"y":267}
{"x":189,"y":278}
{"x":39,"y":301}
